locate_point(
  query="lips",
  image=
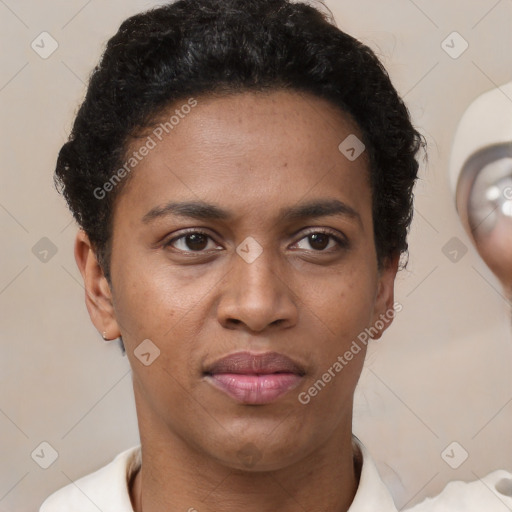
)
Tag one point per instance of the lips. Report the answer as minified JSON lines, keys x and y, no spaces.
{"x":254,"y":378}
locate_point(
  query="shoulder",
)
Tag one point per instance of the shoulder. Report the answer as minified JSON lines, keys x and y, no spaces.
{"x":492,"y":493}
{"x":106,"y":489}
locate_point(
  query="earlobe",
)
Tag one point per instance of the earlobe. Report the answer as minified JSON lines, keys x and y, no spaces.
{"x":98,"y":295}
{"x":385,"y":299}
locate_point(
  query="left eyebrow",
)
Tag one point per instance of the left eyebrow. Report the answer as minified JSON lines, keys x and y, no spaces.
{"x":319,"y":208}
{"x":200,"y":210}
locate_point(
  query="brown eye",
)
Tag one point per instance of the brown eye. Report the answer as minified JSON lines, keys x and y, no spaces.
{"x":191,"y":242}
{"x":196,"y":241}
{"x":319,"y":241}
{"x":323,"y":241}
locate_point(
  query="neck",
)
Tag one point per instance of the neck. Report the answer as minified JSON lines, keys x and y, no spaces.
{"x":175,"y":476}
{"x":169,"y":485}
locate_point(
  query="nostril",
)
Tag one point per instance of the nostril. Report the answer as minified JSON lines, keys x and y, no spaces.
{"x":504,"y":486}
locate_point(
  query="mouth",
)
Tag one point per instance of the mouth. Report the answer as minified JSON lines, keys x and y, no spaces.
{"x":255,"y":379}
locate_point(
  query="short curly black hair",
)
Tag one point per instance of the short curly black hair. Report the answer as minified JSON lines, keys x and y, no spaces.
{"x":199,"y":47}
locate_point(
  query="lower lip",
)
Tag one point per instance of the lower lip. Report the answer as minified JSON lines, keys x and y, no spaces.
{"x":255,"y":389}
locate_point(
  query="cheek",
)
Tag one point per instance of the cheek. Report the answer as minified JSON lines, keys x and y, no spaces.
{"x":342,"y":301}
{"x":153,"y":306}
{"x":167,"y":307}
{"x":342,"y":308}
{"x":342,"y":311}
{"x":153,"y":300}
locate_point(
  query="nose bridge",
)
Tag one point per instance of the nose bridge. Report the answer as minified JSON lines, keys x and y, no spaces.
{"x":257,"y":272}
{"x":256,"y":293}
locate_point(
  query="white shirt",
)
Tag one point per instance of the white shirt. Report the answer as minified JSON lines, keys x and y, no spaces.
{"x":107,"y":489}
{"x":493,"y":493}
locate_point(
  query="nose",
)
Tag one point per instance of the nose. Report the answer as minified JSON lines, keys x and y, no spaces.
{"x":257,"y":296}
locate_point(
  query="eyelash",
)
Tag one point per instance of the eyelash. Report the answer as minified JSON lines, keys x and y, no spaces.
{"x":341,"y":241}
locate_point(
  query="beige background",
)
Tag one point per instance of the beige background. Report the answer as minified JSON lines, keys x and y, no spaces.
{"x":442,"y":373}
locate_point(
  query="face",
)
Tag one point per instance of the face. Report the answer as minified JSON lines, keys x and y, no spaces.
{"x":243,"y":249}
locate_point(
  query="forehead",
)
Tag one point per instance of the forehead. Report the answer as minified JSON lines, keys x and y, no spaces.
{"x":258,"y":148}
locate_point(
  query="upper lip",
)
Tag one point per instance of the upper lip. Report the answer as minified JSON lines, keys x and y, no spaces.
{"x":248,"y":363}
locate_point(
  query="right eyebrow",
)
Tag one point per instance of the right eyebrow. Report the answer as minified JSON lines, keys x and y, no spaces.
{"x":193,"y":209}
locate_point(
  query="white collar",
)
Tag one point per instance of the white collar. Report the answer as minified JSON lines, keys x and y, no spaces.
{"x":107,"y":488}
{"x":371,"y":493}
{"x":492,"y":492}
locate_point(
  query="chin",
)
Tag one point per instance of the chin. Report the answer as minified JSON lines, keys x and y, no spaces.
{"x":262,"y":451}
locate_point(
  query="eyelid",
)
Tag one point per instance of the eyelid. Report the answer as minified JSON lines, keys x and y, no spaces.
{"x":167,"y":242}
{"x":340,"y":238}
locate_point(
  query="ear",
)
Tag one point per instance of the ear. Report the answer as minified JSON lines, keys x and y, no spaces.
{"x":385,"y":298}
{"x":98,"y":295}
